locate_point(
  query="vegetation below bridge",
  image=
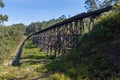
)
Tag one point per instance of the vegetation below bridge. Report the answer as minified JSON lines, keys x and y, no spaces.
{"x":10,"y":38}
{"x":96,"y":57}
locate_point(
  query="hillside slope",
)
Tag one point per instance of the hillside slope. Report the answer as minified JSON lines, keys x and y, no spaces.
{"x":97,"y":57}
{"x":10,"y":38}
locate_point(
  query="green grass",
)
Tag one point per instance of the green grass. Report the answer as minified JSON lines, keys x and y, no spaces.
{"x":59,"y":76}
{"x":97,"y":55}
{"x":31,"y":65}
{"x":10,"y":38}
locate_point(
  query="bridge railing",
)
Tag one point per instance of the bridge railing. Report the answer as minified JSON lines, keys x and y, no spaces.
{"x":60,"y":38}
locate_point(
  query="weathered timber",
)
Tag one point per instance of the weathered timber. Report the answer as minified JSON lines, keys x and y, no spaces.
{"x":60,"y":38}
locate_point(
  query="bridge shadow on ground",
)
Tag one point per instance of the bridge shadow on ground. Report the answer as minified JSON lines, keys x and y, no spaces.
{"x":35,"y":58}
{"x":33,"y":62}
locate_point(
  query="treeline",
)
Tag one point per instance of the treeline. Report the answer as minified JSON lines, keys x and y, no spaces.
{"x":97,"y":56}
{"x":36,"y":26}
{"x":92,"y":5}
{"x":10,"y":37}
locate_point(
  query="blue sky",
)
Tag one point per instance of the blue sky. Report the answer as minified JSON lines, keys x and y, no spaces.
{"x":27,"y":11}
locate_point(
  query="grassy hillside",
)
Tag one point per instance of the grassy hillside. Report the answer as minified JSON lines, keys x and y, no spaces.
{"x":10,"y":38}
{"x":32,"y":65}
{"x":97,"y":57}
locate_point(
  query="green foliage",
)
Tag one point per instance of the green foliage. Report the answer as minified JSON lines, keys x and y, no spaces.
{"x":10,"y":38}
{"x":95,"y":58}
{"x":59,"y":76}
{"x":25,"y":65}
{"x":3,"y":17}
{"x":41,"y":69}
{"x":97,"y":55}
{"x":2,"y":4}
{"x":37,"y":26}
{"x":117,"y":6}
{"x":29,"y":45}
{"x":30,"y":68}
{"x":53,"y":21}
{"x":92,"y":5}
{"x":33,"y":27}
{"x":19,"y":27}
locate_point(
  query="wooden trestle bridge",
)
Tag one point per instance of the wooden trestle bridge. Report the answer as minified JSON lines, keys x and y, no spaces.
{"x":59,"y":39}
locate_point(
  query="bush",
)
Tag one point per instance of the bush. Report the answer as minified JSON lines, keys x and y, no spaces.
{"x":97,"y":56}
{"x":30,"y":45}
{"x":59,"y":76}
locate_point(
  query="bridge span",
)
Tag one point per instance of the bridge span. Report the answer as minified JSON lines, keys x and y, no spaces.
{"x":59,"y":39}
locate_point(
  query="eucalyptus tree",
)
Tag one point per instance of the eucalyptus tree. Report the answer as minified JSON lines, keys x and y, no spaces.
{"x":92,"y":5}
{"x":2,"y":4}
{"x":3,"y":17}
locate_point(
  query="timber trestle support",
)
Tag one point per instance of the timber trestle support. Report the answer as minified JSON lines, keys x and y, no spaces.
{"x":60,"y":38}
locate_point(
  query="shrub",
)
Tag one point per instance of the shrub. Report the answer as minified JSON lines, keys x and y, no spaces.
{"x":59,"y":76}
